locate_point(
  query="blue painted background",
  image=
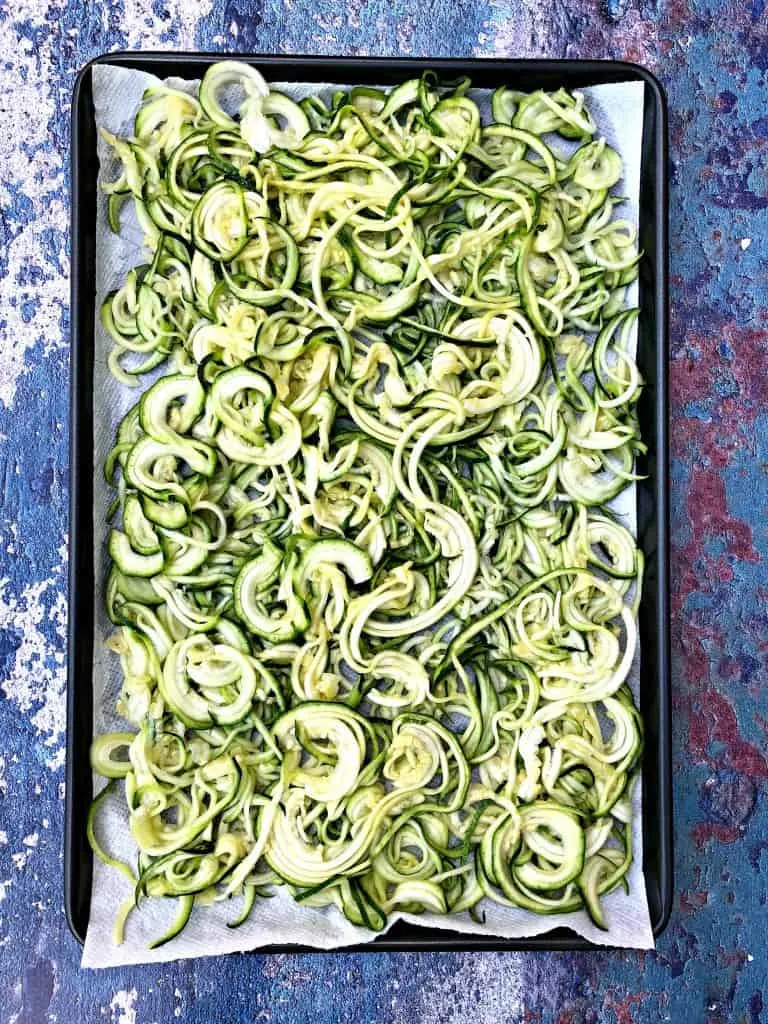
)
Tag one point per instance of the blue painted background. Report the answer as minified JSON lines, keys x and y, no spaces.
{"x":711,"y":966}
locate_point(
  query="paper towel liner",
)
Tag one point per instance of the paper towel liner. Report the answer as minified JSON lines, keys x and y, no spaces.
{"x":117,"y":92}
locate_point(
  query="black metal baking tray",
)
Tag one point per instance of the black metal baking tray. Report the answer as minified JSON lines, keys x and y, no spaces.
{"x":652,"y":491}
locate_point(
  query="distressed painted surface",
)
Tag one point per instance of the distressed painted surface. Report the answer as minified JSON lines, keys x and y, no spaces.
{"x":711,"y":965}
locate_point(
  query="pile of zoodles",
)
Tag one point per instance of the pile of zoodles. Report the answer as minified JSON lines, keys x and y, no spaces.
{"x":374,"y":612}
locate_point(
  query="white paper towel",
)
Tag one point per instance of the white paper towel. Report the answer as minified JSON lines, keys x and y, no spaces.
{"x":618,"y":112}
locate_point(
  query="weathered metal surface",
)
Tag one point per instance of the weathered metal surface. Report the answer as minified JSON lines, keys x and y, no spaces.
{"x":711,"y":965}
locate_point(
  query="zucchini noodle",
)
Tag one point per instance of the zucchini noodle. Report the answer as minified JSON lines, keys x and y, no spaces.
{"x":374,"y":612}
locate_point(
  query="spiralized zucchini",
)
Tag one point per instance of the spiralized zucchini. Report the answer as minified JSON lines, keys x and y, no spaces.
{"x":374,"y":612}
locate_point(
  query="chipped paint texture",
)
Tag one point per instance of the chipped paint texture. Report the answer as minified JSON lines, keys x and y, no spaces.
{"x":711,"y":966}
